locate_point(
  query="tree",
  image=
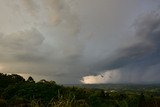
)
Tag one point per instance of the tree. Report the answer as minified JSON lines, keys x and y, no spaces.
{"x":30,"y":79}
{"x":6,"y":80}
{"x":17,"y":78}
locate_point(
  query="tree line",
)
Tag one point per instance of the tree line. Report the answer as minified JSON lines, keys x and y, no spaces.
{"x":15,"y":91}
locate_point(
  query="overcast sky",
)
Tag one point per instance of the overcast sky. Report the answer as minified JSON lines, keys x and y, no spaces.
{"x":81,"y":41}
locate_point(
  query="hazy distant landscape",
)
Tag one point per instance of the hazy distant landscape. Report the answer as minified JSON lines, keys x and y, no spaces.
{"x":120,"y":87}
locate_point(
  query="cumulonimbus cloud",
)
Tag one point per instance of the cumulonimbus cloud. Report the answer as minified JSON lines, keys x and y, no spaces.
{"x":45,"y":38}
{"x":142,"y":55}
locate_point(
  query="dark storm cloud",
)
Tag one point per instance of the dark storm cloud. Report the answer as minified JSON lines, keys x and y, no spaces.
{"x":144,"y":54}
{"x":65,"y":40}
{"x":137,"y":63}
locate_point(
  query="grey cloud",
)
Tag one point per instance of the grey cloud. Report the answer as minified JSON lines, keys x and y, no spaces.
{"x":136,"y":59}
{"x":52,"y":52}
{"x":148,"y":30}
{"x":48,"y":38}
{"x":22,"y":39}
{"x":30,"y":58}
{"x":21,"y":45}
{"x":30,"y":6}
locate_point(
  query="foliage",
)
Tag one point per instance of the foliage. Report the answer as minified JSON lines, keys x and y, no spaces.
{"x":16,"y":92}
{"x":30,"y":79}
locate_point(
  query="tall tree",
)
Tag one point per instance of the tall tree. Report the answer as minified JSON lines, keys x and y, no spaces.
{"x":30,"y":79}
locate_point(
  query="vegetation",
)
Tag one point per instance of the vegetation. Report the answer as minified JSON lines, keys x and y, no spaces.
{"x":16,"y":92}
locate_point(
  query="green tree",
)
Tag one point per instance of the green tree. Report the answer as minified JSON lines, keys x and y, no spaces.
{"x":30,"y":79}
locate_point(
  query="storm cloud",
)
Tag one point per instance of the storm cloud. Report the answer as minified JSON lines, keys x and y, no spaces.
{"x":139,"y":57}
{"x":71,"y":41}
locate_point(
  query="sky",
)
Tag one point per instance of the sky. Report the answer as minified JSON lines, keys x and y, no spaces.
{"x":81,"y":41}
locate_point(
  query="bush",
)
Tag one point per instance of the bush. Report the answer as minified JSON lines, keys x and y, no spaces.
{"x":3,"y":103}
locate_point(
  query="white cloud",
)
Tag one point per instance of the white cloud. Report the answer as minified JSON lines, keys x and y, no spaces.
{"x":111,"y":76}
